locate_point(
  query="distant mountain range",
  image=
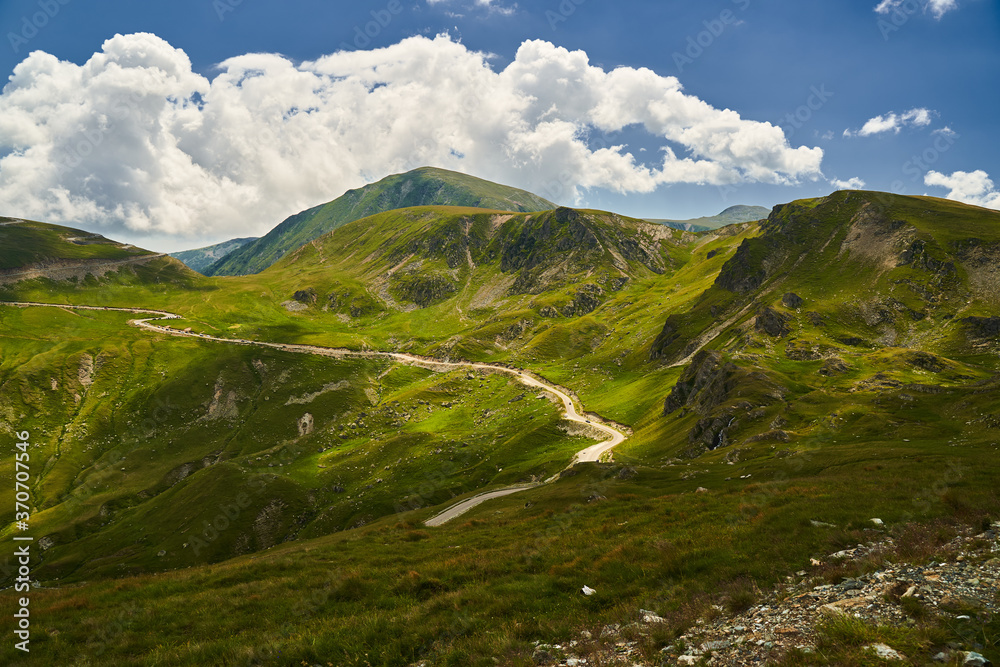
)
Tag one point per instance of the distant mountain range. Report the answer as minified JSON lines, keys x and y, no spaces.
{"x":427,"y":186}
{"x":731,"y":216}
{"x":202,"y":258}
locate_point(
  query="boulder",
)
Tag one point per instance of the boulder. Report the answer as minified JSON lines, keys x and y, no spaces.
{"x":792,"y":300}
{"x":771,"y":322}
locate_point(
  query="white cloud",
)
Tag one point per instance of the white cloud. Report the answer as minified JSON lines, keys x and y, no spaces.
{"x":971,"y":187}
{"x":917,"y":117}
{"x":880,"y":124}
{"x":893,"y":122}
{"x":854,"y":183}
{"x":134,"y":139}
{"x":493,"y":6}
{"x":937,"y":8}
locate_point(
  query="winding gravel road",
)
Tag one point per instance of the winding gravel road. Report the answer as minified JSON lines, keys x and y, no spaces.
{"x":590,"y":454}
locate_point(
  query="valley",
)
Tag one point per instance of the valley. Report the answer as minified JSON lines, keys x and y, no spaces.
{"x":275,"y":463}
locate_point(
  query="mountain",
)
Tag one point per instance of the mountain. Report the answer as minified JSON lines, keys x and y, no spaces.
{"x":31,"y":250}
{"x":863,"y":293}
{"x":201,"y":258}
{"x":732,"y":215}
{"x":782,"y":383}
{"x":426,"y":186}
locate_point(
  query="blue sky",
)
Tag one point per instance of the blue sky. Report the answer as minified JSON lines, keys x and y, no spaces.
{"x":902,"y":99}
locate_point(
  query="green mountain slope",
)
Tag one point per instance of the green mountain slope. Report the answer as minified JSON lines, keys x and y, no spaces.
{"x":731,"y":216}
{"x":38,"y":251}
{"x":426,"y":186}
{"x":841,"y":300}
{"x":200,"y":259}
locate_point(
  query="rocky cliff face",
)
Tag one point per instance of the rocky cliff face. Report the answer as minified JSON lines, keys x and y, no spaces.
{"x":723,"y":395}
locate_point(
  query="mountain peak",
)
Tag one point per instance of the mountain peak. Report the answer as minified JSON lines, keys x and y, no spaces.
{"x":425,"y":186}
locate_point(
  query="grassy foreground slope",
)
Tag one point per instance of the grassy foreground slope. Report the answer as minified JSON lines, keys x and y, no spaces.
{"x":427,"y":186}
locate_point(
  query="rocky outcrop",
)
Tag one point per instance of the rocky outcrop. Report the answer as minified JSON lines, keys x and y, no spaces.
{"x":705,"y":384}
{"x":773,"y":323}
{"x":884,"y":591}
{"x":711,"y":433}
{"x":916,"y":255}
{"x":983,"y":327}
{"x":741,"y":274}
{"x":307,"y":296}
{"x":424,"y":290}
{"x":792,"y":301}
{"x":925,"y":361}
{"x":790,"y":618}
{"x":833,"y":366}
{"x":586,"y":300}
{"x":670,"y":333}
{"x":548,"y":311}
{"x":724,"y":395}
{"x":618,"y":283}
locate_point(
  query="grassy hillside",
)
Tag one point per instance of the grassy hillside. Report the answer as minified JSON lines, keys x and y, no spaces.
{"x":24,"y":243}
{"x":76,"y":260}
{"x":201,"y":258}
{"x":422,"y":187}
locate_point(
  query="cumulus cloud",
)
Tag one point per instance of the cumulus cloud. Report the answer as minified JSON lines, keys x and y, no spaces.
{"x":893,"y":122}
{"x":854,"y":183}
{"x":971,"y":187}
{"x":937,"y":8}
{"x":133,"y":138}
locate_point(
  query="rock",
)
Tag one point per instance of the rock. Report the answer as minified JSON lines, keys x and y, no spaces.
{"x":973,"y":659}
{"x":588,"y":591}
{"x":542,"y":657}
{"x":771,"y":322}
{"x":820,"y":524}
{"x":792,"y":301}
{"x":586,"y":300}
{"x":548,"y":311}
{"x":687,"y":660}
{"x":618,"y":283}
{"x":651,"y":617}
{"x":306,"y":424}
{"x":942,"y":657}
{"x":833,"y":366}
{"x":844,"y":606}
{"x":161,"y":553}
{"x":424,"y":290}
{"x":983,"y":327}
{"x":701,"y":489}
{"x":884,"y":652}
{"x":294,"y":306}
{"x":715,"y":645}
{"x":877,"y":522}
{"x":307,"y":296}
{"x":628,"y":472}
